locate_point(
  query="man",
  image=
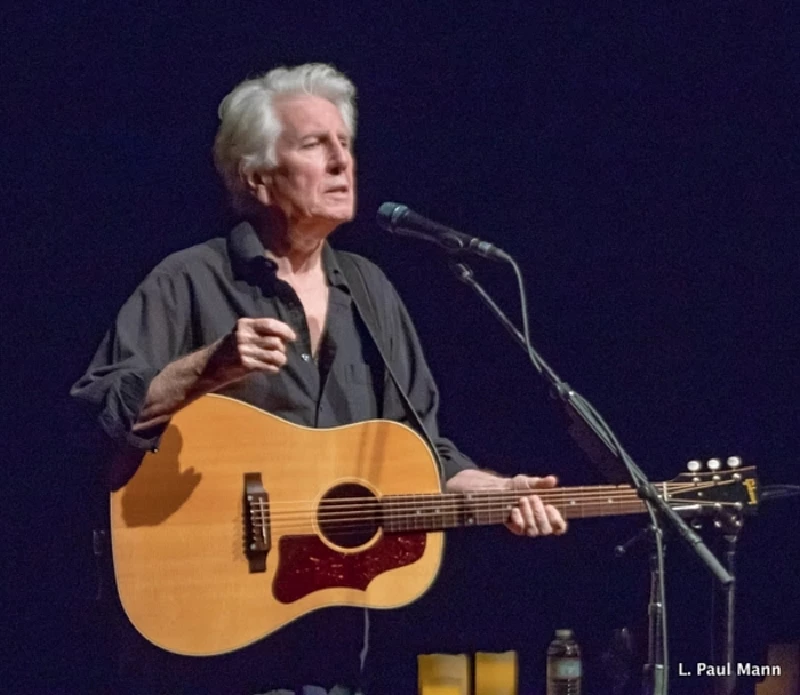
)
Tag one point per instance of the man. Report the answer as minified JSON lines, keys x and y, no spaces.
{"x":268,"y":316}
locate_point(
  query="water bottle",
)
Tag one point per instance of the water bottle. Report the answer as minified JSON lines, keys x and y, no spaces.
{"x":564,"y":665}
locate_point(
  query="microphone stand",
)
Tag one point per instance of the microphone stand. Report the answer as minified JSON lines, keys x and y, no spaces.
{"x":727,"y":685}
{"x":586,"y":417}
{"x":654,"y":671}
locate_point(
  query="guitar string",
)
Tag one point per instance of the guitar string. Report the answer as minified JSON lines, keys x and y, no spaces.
{"x":343,"y":511}
{"x":594,"y":510}
{"x":429,"y":523}
{"x":479,"y":497}
{"x":600,"y":491}
{"x":410,"y":524}
{"x":545,"y":493}
{"x":375,"y":508}
{"x":344,"y":523}
{"x":480,"y":502}
{"x":396,"y":524}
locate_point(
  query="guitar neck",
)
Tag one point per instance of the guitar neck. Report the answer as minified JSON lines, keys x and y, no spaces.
{"x":435,"y":512}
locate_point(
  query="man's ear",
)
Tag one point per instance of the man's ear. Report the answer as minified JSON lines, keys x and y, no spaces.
{"x":258,"y":184}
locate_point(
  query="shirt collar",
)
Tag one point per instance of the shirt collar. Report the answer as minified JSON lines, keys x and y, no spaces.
{"x":247,"y":253}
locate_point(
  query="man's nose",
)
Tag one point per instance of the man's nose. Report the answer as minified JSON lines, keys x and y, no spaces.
{"x":338,"y":157}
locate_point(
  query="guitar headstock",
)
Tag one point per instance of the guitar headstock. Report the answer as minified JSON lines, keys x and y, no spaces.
{"x":726,"y":490}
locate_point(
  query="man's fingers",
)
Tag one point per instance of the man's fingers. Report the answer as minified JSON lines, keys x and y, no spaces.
{"x":547,"y":481}
{"x":263,"y":360}
{"x":269,"y":342}
{"x":261,"y":344}
{"x":516,"y":523}
{"x":535,"y":516}
{"x":531,"y":482}
{"x":556,"y":520}
{"x":273,"y":327}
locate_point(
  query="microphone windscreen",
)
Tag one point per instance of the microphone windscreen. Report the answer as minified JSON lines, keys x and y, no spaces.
{"x":388,"y":214}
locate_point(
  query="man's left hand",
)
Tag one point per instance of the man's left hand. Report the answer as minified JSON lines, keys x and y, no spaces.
{"x":531,"y":517}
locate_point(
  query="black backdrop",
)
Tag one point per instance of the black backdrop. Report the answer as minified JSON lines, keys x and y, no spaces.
{"x":637,"y":160}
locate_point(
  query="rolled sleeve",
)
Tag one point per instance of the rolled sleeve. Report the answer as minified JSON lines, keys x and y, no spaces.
{"x":122,"y":396}
{"x":148,"y":334}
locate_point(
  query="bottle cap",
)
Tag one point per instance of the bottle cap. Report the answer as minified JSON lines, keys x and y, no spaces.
{"x":564,"y":634}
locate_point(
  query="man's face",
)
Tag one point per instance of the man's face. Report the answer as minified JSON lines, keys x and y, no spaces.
{"x":313,"y":180}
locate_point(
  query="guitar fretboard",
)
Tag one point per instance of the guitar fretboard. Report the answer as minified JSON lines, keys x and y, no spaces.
{"x":443,"y":511}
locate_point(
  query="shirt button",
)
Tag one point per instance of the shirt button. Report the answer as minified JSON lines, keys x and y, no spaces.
{"x":306,"y":356}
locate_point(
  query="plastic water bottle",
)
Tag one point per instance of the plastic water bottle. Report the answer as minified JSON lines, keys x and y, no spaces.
{"x":564,"y":668}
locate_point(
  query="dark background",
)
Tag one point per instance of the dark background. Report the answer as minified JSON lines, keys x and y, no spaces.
{"x":636,"y":159}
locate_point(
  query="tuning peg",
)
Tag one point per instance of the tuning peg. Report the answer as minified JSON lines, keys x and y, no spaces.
{"x":714,"y":464}
{"x":694,"y":466}
{"x":734,"y":461}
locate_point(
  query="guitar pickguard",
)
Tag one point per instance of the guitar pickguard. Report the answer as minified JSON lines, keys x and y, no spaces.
{"x":306,"y":564}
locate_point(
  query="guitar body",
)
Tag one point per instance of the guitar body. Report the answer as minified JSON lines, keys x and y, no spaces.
{"x":180,"y":537}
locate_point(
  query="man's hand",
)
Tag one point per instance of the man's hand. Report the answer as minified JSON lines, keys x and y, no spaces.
{"x":531,"y":517}
{"x":254,"y":345}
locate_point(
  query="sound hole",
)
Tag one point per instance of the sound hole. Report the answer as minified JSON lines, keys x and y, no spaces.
{"x":349,"y":515}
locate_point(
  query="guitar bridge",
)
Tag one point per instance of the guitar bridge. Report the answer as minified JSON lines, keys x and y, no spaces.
{"x":257,"y":537}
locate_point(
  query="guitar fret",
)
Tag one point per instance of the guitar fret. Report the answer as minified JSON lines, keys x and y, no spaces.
{"x":419,"y":513}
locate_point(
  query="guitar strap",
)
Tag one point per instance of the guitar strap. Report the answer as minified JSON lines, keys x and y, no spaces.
{"x":368,"y":312}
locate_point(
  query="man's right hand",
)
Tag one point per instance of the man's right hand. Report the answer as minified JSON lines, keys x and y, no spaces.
{"x":254,"y":345}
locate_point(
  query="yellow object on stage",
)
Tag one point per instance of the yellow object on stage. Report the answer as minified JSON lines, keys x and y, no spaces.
{"x":496,"y":674}
{"x":443,"y":674}
{"x":438,"y":689}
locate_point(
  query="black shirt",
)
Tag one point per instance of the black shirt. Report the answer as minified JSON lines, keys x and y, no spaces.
{"x":195,"y":297}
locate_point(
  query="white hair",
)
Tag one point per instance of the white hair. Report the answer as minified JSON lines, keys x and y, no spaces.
{"x":249,"y":126}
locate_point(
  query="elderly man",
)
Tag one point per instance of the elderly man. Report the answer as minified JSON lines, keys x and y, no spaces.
{"x":267,"y":315}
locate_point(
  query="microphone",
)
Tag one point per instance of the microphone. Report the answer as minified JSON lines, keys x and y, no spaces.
{"x":398,"y":219}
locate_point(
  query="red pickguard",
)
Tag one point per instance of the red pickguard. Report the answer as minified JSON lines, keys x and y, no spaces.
{"x":306,"y":564}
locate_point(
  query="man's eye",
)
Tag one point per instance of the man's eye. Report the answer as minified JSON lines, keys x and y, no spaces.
{"x":309,"y":144}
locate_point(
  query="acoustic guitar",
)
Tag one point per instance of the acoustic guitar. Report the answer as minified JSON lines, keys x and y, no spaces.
{"x":242,"y":522}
